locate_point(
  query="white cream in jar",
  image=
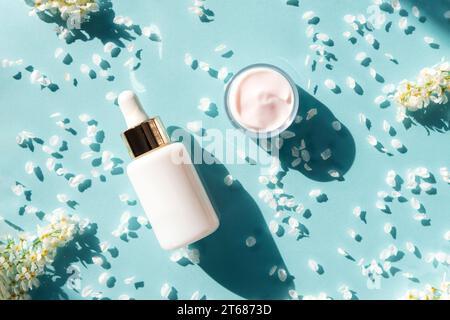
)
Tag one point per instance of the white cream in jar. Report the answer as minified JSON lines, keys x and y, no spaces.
{"x":262,"y":99}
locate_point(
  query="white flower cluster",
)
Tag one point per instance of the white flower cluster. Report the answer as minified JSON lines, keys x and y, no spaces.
{"x":432,"y":85}
{"x":430,"y":293}
{"x":78,"y":10}
{"x":24,"y":259}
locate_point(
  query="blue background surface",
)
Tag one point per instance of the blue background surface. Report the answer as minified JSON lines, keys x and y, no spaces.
{"x":256,"y":31}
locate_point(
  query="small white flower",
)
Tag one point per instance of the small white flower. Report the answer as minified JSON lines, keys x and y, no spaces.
{"x":166,"y":289}
{"x":372,"y":140}
{"x":87,"y":291}
{"x":194,"y":126}
{"x":330,"y":84}
{"x":410,"y":247}
{"x":274,"y":226}
{"x":447,"y":235}
{"x":103,"y":278}
{"x":415,"y":204}
{"x":403,"y":23}
{"x":111,"y":96}
{"x":282,"y":274}
{"x":381,"y":205}
{"x":336,"y":125}
{"x":313,"y":265}
{"x":204,"y":105}
{"x":188,"y":60}
{"x":308,"y":15}
{"x":250,"y":241}
{"x":349,"y":18}
{"x":396,"y":143}
{"x":314,"y":193}
{"x":388,"y":227}
{"x":97,"y":260}
{"x":351,"y":83}
{"x":293,"y":294}
{"x":360,"y":56}
{"x":228,"y":180}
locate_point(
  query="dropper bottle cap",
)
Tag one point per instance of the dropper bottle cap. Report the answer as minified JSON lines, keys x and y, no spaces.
{"x":144,"y":134}
{"x":131,"y":108}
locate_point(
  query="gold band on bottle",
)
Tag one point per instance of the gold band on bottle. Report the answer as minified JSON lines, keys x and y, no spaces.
{"x":145,"y":137}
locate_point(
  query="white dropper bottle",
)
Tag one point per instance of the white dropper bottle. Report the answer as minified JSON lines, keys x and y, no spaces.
{"x":165,"y":180}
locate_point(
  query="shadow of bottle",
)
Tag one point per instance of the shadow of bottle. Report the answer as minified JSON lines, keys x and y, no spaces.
{"x":224,"y":255}
{"x":319,"y":134}
{"x":81,"y":249}
{"x":100,"y":25}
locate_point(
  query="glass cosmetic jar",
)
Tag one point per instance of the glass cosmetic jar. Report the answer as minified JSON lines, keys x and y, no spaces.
{"x":261,"y":100}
